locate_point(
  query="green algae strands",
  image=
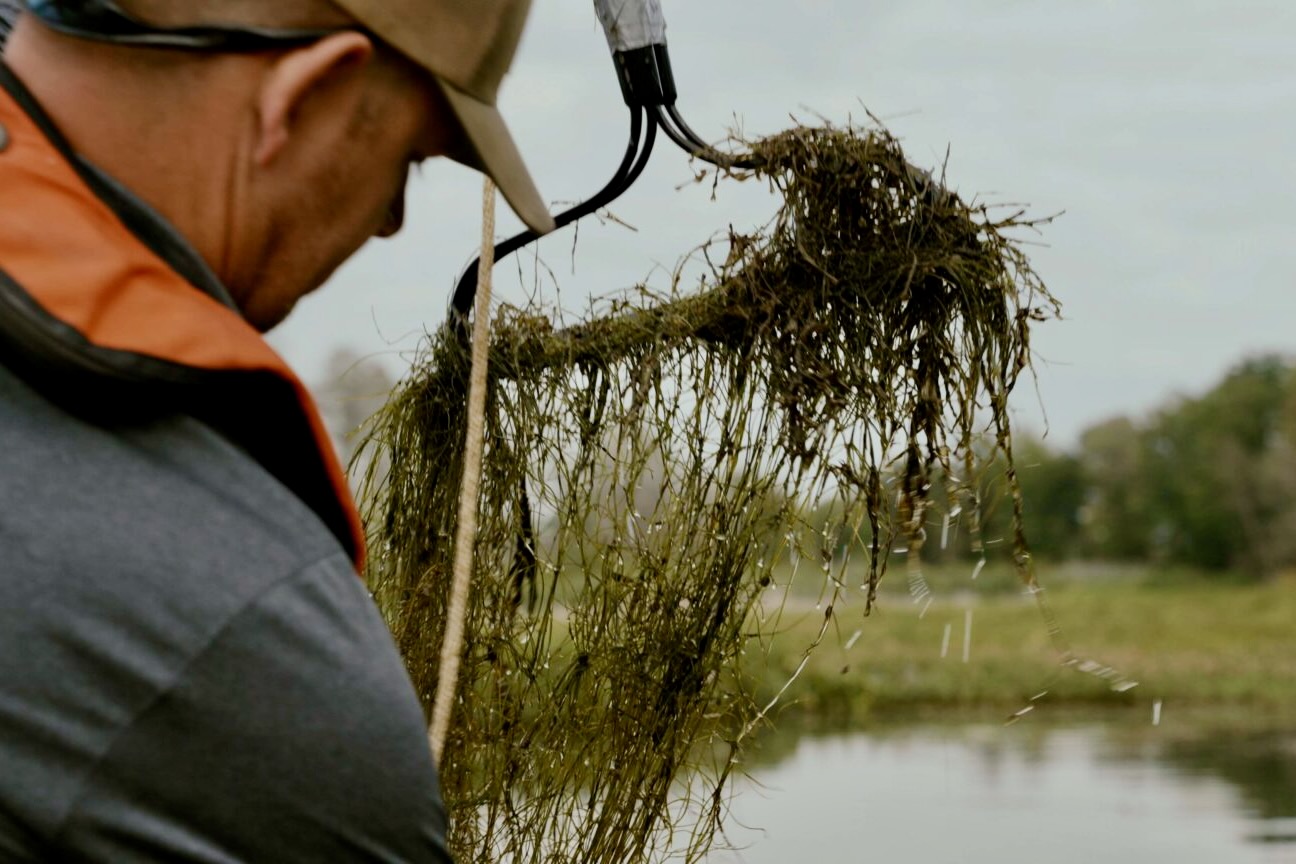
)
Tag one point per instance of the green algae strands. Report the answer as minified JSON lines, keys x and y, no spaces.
{"x":647,"y":477}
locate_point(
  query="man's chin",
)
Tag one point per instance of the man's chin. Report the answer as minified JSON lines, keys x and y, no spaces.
{"x":278,"y":302}
{"x":266,"y":325}
{"x":266,"y":316}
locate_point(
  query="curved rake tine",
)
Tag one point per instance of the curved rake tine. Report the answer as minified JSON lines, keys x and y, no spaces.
{"x":674,"y":133}
{"x":673,"y":124}
{"x":632,"y":164}
{"x":685,"y":128}
{"x":650,"y":138}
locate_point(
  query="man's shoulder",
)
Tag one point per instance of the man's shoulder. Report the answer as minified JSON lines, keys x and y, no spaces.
{"x":189,"y":667}
{"x":159,"y":524}
{"x":124,"y":551}
{"x":161,"y":493}
{"x":294,"y":736}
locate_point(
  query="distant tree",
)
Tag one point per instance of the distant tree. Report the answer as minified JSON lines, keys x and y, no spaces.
{"x":1209,"y":457}
{"x":1275,"y":489}
{"x":1207,"y":482}
{"x":1054,"y":497}
{"x":1118,"y":513}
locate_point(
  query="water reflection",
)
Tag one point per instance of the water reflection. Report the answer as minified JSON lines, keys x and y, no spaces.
{"x":1112,"y":790}
{"x":1262,"y":765}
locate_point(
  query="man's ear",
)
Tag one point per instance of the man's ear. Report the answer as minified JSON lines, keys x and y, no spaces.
{"x":295,"y":77}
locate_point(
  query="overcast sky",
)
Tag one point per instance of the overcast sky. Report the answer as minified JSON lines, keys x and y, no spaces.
{"x":1165,"y":129}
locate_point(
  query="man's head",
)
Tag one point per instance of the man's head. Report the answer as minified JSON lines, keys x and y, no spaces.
{"x":280,"y":152}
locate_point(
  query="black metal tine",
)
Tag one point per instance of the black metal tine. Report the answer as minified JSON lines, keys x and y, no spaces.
{"x":664,"y":121}
{"x":632,"y":164}
{"x":615,"y":188}
{"x":685,"y":129}
{"x":680,"y":132}
{"x":650,"y":138}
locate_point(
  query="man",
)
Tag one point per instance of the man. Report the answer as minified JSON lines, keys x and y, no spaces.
{"x":190,"y":669}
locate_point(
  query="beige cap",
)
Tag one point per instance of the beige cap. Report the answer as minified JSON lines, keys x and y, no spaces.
{"x":467,"y":46}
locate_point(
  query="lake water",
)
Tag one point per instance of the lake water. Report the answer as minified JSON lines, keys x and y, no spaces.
{"x":1111,"y":791}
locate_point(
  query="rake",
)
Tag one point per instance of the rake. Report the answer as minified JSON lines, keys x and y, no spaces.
{"x":636,"y":34}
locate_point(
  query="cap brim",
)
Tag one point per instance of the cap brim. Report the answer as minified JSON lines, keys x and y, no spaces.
{"x":495,"y":154}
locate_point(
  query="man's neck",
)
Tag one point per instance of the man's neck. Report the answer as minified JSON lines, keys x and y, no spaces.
{"x":180,"y":167}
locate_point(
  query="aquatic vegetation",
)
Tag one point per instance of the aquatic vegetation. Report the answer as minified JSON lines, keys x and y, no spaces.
{"x":646,"y":468}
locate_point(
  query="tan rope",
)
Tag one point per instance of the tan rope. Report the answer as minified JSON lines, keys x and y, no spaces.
{"x":466,"y":533}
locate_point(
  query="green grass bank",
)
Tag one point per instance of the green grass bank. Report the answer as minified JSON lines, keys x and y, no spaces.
{"x":1188,"y":642}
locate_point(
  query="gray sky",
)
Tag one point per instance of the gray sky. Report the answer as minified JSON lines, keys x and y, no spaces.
{"x":1165,"y":129}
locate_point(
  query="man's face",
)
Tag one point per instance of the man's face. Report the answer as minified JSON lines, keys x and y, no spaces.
{"x":345,"y":180}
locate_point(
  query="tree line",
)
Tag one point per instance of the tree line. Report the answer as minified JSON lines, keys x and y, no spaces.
{"x":1206,"y":482}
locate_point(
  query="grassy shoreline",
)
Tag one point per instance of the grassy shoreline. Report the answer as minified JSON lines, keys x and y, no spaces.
{"x":1186,"y":642}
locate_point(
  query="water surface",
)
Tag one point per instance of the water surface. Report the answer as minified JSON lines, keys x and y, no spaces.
{"x":1110,"y":791}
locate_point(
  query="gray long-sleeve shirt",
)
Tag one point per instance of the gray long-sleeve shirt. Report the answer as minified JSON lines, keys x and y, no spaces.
{"x":188,"y":670}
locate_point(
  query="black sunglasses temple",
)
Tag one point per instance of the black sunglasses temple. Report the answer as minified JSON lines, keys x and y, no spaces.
{"x":105,"y":21}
